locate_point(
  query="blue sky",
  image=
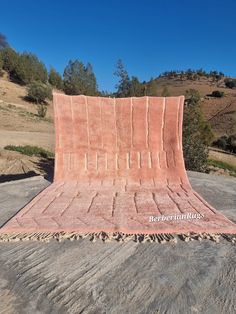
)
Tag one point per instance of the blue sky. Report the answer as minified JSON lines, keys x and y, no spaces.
{"x":149,"y":36}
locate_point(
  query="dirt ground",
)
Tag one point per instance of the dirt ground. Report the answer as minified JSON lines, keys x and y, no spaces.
{"x":216,"y":155}
{"x":20,"y":124}
{"x":14,"y":166}
{"x":21,"y":127}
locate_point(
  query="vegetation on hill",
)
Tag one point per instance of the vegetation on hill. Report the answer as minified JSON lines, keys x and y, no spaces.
{"x":23,"y":68}
{"x":127,"y":87}
{"x":3,"y":41}
{"x":38,"y":92}
{"x":197,"y":134}
{"x":26,"y":69}
{"x":30,"y":150}
{"x":55,"y":79}
{"x":227,"y":143}
{"x":193,"y":75}
{"x":223,"y":165}
{"x":79,"y":79}
{"x":217,"y":93}
{"x":230,"y":83}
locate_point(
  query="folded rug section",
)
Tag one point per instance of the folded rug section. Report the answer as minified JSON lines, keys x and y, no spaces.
{"x":119,"y":172}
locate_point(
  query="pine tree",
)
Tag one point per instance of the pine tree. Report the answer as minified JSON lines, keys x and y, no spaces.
{"x":3,"y":41}
{"x":79,"y":79}
{"x":136,"y":88}
{"x":54,"y":78}
{"x":29,"y":69}
{"x":124,"y":85}
{"x":10,"y":59}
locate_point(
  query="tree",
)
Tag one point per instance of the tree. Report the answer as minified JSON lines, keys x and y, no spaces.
{"x":193,"y":97}
{"x":136,"y":88}
{"x":91,"y":82}
{"x":29,"y":69}
{"x":165,"y":92}
{"x":197,"y":134}
{"x":23,"y":68}
{"x":39,"y":92}
{"x":79,"y":79}
{"x":10,"y":59}
{"x":54,"y":78}
{"x":3,"y":44}
{"x":189,"y":74}
{"x":3,"y":41}
{"x":124,"y":85}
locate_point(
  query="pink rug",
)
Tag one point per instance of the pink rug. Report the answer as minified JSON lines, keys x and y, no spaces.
{"x":119,"y":172}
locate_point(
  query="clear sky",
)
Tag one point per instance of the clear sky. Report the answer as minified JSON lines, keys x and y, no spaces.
{"x":150,"y":36}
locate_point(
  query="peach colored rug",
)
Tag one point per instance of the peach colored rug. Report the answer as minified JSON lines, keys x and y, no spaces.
{"x":119,"y":173}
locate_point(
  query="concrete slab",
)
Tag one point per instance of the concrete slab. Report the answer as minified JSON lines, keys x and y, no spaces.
{"x":85,"y":277}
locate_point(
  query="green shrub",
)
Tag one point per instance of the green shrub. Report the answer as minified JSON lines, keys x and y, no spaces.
{"x":232,"y":143}
{"x":150,"y":88}
{"x":217,"y":93}
{"x":29,"y":69}
{"x":222,"y":165}
{"x":42,"y":110}
{"x":197,"y":134}
{"x":23,"y":68}
{"x":226,"y":143}
{"x":10,"y":59}
{"x":54,"y":78}
{"x":192,"y":97}
{"x":221,"y":142}
{"x":230,"y":83}
{"x":136,"y":88}
{"x":39,"y":92}
{"x":30,"y":150}
{"x":165,"y":92}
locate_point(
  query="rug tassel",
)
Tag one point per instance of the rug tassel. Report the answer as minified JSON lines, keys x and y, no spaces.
{"x":117,"y":236}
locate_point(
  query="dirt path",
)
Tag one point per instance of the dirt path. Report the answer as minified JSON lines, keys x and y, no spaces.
{"x":41,"y":139}
{"x":217,"y":155}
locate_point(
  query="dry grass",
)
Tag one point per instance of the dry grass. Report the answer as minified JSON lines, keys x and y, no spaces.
{"x":220,"y":156}
{"x":20,"y":125}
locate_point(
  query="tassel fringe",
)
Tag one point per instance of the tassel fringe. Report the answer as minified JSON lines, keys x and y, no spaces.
{"x":117,"y":236}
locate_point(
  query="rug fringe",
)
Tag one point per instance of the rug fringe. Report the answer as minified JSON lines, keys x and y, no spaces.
{"x":117,"y":236}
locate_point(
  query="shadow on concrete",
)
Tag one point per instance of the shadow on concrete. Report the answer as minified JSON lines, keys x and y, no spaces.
{"x":46,"y":165}
{"x":18,"y":176}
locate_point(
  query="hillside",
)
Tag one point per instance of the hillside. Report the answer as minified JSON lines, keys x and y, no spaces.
{"x":220,"y":112}
{"x":19,"y":114}
{"x":20,"y":124}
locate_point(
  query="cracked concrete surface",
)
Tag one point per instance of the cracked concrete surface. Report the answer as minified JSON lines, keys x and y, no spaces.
{"x":85,"y":277}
